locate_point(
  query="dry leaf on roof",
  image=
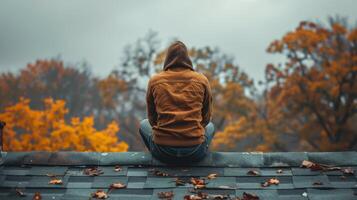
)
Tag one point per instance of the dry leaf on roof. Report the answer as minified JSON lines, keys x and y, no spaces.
{"x":20,"y":193}
{"x":93,"y":171}
{"x":316,"y":166}
{"x":100,"y":194}
{"x":212,"y":176}
{"x":55,"y":182}
{"x":37,"y":196}
{"x":198,"y":196}
{"x":272,"y":181}
{"x":165,"y":195}
{"x":117,"y":185}
{"x":117,"y":168}
{"x":249,"y":196}
{"x":348,"y":170}
{"x":253,"y":173}
{"x":198,"y":183}
{"x":158,"y":172}
{"x":317,"y":183}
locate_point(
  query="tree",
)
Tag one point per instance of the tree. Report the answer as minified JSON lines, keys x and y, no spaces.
{"x":47,"y":130}
{"x":316,"y":90}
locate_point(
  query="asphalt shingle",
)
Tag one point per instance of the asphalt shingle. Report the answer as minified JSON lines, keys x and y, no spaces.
{"x":145,"y":177}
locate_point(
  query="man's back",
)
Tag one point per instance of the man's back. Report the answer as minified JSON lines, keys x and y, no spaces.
{"x":178,"y":102}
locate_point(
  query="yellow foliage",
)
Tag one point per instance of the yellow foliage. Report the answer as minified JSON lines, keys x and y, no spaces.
{"x":47,"y":130}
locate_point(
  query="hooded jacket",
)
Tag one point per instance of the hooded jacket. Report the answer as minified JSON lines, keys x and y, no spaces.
{"x":179,"y":101}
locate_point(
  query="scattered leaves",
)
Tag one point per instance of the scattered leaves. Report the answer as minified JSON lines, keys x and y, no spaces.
{"x":253,"y":173}
{"x":212,"y":176}
{"x":117,"y":168}
{"x":20,"y":193}
{"x":100,"y":194}
{"x":55,"y":181}
{"x":93,"y":171}
{"x":165,"y":195}
{"x":272,"y":181}
{"x":37,"y":196}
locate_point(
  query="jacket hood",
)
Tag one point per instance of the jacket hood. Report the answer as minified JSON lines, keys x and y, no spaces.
{"x":177,"y":56}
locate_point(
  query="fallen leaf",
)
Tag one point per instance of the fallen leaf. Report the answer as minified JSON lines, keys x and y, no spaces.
{"x":117,"y":168}
{"x":37,"y":196}
{"x":100,"y":194}
{"x":279,"y":171}
{"x":311,"y":165}
{"x":249,"y":196}
{"x":55,"y":182}
{"x":253,"y":173}
{"x":117,"y":185}
{"x":165,"y":195}
{"x":93,"y":171}
{"x":192,"y":197}
{"x":158,"y":172}
{"x":20,"y":193}
{"x":317,"y":183}
{"x":316,"y":166}
{"x":348,"y":170}
{"x":212,"y":176}
{"x":272,"y":181}
{"x":198,"y":183}
{"x":200,"y":195}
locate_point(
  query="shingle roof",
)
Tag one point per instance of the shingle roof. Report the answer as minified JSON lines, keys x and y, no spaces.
{"x":145,"y":177}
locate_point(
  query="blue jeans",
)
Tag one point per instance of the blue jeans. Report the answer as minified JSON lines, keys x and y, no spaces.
{"x":176,"y":155}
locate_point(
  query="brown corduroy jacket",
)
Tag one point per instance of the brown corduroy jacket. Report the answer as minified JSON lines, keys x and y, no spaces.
{"x":179,"y":101}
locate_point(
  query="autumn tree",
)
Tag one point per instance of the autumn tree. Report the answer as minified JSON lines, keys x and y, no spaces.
{"x":47,"y":130}
{"x":309,"y":102}
{"x":316,"y":89}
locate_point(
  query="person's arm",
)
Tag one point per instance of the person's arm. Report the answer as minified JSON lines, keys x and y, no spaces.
{"x":150,"y":106}
{"x":207,"y":105}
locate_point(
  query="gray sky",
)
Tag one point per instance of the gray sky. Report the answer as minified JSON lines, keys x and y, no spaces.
{"x":97,"y":31}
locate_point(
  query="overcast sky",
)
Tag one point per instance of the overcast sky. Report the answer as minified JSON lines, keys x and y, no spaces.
{"x":97,"y":31}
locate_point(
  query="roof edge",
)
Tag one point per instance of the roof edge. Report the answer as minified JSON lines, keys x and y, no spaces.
{"x":213,"y":159}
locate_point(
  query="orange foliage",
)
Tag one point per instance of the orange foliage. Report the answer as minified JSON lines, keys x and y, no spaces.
{"x":316,"y":90}
{"x":47,"y":130}
{"x":311,"y":102}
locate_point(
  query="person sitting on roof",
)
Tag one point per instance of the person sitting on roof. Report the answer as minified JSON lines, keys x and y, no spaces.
{"x":179,"y":107}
